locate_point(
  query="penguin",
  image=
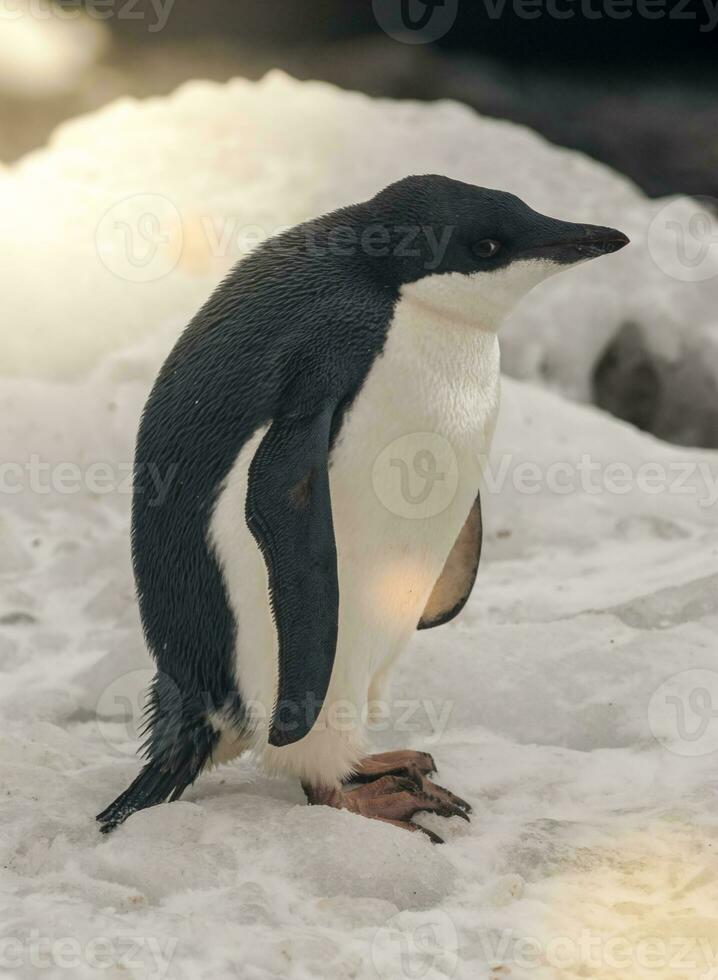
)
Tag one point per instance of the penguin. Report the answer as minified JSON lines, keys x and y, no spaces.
{"x":341,"y":369}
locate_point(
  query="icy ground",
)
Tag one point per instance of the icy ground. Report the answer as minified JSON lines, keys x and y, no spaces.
{"x":540,"y":704}
{"x":573,"y":702}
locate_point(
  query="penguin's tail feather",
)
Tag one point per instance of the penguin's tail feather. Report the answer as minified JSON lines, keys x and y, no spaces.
{"x":154,"y":785}
{"x":178,"y":749}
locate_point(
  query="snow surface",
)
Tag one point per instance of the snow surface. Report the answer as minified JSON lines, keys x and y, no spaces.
{"x":43,"y":54}
{"x":562,"y":702}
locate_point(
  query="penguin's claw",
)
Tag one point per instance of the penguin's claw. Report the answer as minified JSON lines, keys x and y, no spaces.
{"x":416,"y":766}
{"x":433,"y":789}
{"x":394,"y":798}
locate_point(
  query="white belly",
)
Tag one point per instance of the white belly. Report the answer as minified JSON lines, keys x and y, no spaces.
{"x":404,"y":474}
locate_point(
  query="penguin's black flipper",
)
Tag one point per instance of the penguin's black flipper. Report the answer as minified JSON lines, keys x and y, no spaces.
{"x":290,"y":516}
{"x":454,"y":585}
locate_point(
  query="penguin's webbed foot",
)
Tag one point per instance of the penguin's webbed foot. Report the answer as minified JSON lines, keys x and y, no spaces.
{"x":417,"y":766}
{"x":393,"y":787}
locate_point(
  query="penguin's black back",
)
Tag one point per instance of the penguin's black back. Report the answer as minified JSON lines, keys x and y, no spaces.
{"x":294,"y":321}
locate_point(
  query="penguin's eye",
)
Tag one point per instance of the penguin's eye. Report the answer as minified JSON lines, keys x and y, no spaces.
{"x":487,"y":248}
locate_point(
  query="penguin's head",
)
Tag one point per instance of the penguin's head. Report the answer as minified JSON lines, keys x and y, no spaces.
{"x":469,"y":252}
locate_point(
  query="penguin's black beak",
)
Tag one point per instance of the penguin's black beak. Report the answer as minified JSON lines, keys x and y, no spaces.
{"x":564,"y":242}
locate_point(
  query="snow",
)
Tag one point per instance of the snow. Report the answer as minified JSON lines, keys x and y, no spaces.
{"x":44,"y":51}
{"x":573,"y":702}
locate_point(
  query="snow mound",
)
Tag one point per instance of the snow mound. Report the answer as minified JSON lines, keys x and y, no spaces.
{"x":380,"y":865}
{"x":108,"y":242}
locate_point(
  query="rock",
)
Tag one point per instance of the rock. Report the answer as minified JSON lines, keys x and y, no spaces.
{"x":675,"y":399}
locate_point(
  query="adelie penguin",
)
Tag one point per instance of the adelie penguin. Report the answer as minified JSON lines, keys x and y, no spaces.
{"x":283,"y":573}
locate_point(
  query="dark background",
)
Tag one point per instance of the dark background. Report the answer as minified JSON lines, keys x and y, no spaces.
{"x":639,"y":94}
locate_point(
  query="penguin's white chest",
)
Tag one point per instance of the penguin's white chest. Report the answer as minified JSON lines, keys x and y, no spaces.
{"x":404,"y":474}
